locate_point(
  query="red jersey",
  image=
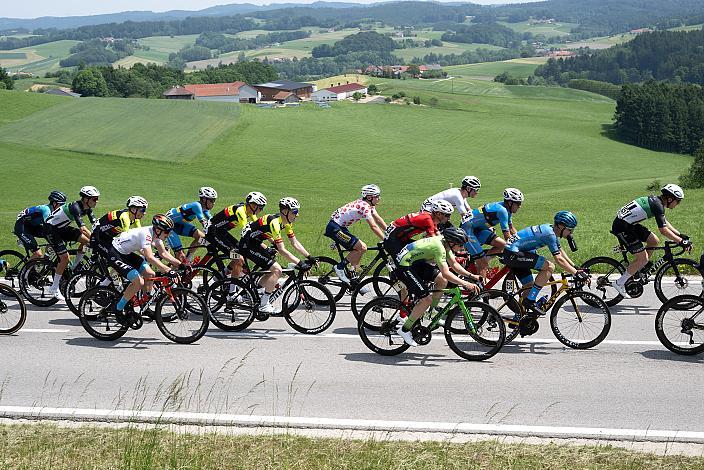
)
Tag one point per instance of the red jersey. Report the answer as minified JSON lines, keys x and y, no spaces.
{"x":404,"y":228}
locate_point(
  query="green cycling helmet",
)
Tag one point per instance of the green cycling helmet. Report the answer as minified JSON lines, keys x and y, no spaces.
{"x":566,"y":218}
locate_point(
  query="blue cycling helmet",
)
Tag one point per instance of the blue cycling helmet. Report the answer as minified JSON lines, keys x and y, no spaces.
{"x":566,"y":218}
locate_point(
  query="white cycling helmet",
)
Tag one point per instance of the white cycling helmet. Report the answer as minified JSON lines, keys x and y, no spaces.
{"x":289,"y":203}
{"x":513,"y":195}
{"x":137,"y":201}
{"x":442,"y":207}
{"x":208,"y":193}
{"x":371,"y":190}
{"x":256,"y":198}
{"x":673,"y":190}
{"x":89,"y":191}
{"x":471,"y":182}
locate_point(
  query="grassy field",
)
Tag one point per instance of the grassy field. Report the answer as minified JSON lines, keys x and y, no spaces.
{"x":446,"y":48}
{"x":555,"y":29}
{"x":549,"y":142}
{"x":48,"y":446}
{"x":488,"y":70}
{"x":37,"y":59}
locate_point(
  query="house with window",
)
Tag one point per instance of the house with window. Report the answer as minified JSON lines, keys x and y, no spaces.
{"x":235,"y":92}
{"x":340,"y":92}
{"x":269,"y":90}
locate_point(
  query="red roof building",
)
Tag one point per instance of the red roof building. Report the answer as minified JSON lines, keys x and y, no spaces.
{"x":232,"y":92}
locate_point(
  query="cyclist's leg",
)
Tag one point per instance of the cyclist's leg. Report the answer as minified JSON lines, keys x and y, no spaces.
{"x":633,"y":238}
{"x":128,"y":267}
{"x":414,"y":278}
{"x":356,"y":247}
{"x":83,"y":242}
{"x":476,"y":252}
{"x":26,"y":237}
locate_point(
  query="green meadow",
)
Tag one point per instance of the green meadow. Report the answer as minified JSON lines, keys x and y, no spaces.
{"x":549,"y":142}
{"x":488,"y":70}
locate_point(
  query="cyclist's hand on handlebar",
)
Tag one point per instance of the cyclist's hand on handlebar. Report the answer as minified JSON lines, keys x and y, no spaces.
{"x":303,"y":265}
{"x":686,"y":243}
{"x":472,"y":287}
{"x":172,"y":274}
{"x":581,"y":276}
{"x":271,"y":251}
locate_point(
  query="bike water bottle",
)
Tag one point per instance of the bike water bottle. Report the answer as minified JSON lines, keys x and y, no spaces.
{"x":541,"y":302}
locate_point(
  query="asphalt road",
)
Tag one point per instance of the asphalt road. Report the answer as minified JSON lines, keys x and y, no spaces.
{"x":628,"y":382}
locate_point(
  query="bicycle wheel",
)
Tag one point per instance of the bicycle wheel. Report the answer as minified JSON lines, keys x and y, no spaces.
{"x":679,"y":325}
{"x":607,"y":271}
{"x":202,"y":279}
{"x":681,"y":277}
{"x":36,"y":278}
{"x":327,"y":277}
{"x":369,"y":289}
{"x":11,"y":263}
{"x":182,"y":315}
{"x":381,"y":271}
{"x":235,"y":314}
{"x":471,"y":339}
{"x":580,"y":319}
{"x":13,"y":311}
{"x":77,"y":286}
{"x":507,"y":306}
{"x":308,"y":307}
{"x":384,"y":315}
{"x":97,"y":313}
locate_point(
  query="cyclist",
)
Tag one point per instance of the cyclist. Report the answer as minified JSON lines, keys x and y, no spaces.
{"x":184,"y":214}
{"x":269,"y":227}
{"x":479,"y":227}
{"x":631,"y":234}
{"x":131,"y":255}
{"x":521,"y":257}
{"x":456,"y":196}
{"x":416,"y":270}
{"x":399,"y":233}
{"x":30,"y":222}
{"x":231,"y":217}
{"x":345,"y":216}
{"x":57,"y":231}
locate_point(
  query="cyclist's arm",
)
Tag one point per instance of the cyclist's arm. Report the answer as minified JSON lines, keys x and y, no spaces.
{"x":281,"y":248}
{"x":447,"y":274}
{"x":562,"y":260}
{"x":459,"y":269}
{"x":670,"y":232}
{"x":379,"y":221}
{"x":375,"y":228}
{"x":164,"y":254}
{"x":298,"y":246}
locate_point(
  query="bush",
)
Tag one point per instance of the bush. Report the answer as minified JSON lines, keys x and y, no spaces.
{"x":372,"y":89}
{"x":416,"y":100}
{"x":654,"y":186}
{"x":387,"y":99}
{"x":433,"y":101}
{"x":694,"y":178}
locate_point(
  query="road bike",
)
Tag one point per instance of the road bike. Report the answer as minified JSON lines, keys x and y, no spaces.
{"x":679,"y":324}
{"x":687,"y":275}
{"x":180,"y":314}
{"x":578,"y":319}
{"x":13,"y":311}
{"x":473,"y":330}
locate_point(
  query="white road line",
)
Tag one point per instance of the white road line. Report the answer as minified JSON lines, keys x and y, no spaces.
{"x":169,"y":417}
{"x":44,"y":330}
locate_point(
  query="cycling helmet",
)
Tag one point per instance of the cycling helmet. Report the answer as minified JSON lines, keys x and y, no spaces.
{"x":371,"y":190}
{"x":208,"y":193}
{"x":89,"y":191}
{"x":163,"y":222}
{"x":566,"y":218}
{"x":442,"y":207}
{"x":57,"y":197}
{"x":256,"y":198}
{"x":455,"y":235}
{"x":289,"y":203}
{"x":471,"y":182}
{"x":673,"y":190}
{"x":513,"y":195}
{"x":137,"y":201}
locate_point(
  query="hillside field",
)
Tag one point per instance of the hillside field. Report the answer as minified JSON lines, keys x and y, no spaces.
{"x":37,"y":59}
{"x":488,"y":70}
{"x":549,"y":142}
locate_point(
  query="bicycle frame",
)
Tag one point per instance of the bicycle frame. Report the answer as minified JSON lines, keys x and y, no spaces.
{"x":455,"y":300}
{"x":367,"y":268}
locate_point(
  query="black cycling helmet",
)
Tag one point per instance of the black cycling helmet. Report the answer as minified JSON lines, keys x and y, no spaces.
{"x":455,"y":235}
{"x":57,"y":197}
{"x":163,"y":222}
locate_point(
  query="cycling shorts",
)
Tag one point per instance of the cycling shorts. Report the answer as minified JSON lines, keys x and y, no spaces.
{"x":631,"y":236}
{"x":58,"y":236}
{"x":473,"y":247}
{"x":341,"y":235}
{"x":221,"y":240}
{"x":27,"y":234}
{"x":123,"y":264}
{"x":484,"y":235}
{"x":521,"y":263}
{"x":417,"y":277}
{"x":256,"y":253}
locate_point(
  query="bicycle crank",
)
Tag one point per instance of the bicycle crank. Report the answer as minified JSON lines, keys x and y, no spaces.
{"x":634,"y":289}
{"x":421,"y":334}
{"x":528,"y":326}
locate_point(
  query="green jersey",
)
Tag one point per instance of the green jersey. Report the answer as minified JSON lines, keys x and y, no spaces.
{"x":643,"y":208}
{"x":425,"y":249}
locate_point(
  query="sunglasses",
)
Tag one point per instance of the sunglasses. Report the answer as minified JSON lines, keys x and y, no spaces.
{"x":95,"y":199}
{"x":295,"y":211}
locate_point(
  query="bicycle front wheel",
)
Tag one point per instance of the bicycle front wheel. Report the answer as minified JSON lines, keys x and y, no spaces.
{"x":182,"y":315}
{"x":470,"y":339}
{"x":77,"y":286}
{"x":679,"y":325}
{"x":377,"y":325}
{"x":13,"y":312}
{"x":681,"y":277}
{"x":97,"y":314}
{"x":580,"y":320}
{"x":232,"y":304}
{"x":327,"y":277}
{"x":308,"y":307}
{"x":370,"y":289}
{"x":36,"y":278}
{"x":507,"y":306}
{"x":11,"y":263}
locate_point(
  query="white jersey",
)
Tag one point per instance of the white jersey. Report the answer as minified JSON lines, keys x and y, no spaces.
{"x":353,"y":212}
{"x":453,"y":196}
{"x":135,"y":239}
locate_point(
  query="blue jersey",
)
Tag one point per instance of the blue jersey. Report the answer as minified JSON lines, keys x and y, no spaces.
{"x":188,"y":212}
{"x":534,"y":237}
{"x":35,"y":215}
{"x":488,"y":215}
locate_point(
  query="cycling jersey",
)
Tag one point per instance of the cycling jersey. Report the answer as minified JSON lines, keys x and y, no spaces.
{"x":29,"y":224}
{"x":188,"y":212}
{"x":234,"y":216}
{"x":531,"y":238}
{"x":267,"y":228}
{"x":425,"y":249}
{"x":643,"y":208}
{"x":489,"y":215}
{"x":71,"y":211}
{"x":34,"y":216}
{"x":114,"y":223}
{"x":353,"y":212}
{"x":409,"y":225}
{"x":136,"y":239}
{"x":453,"y":196}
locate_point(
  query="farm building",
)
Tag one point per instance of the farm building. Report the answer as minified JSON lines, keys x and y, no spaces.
{"x":231,"y":92}
{"x":340,"y":92}
{"x":270,"y":89}
{"x":62,"y":92}
{"x":284,"y":97}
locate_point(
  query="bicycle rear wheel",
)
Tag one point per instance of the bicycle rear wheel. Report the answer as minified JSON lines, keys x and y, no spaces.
{"x":97,"y":313}
{"x":77,"y":286}
{"x":308,"y":307}
{"x":234,"y":314}
{"x":470,"y":339}
{"x":13,"y":312}
{"x":679,"y":325}
{"x":580,"y":320}
{"x":687,"y":279}
{"x":377,"y":325}
{"x":11,"y":263}
{"x":370,"y":289}
{"x":182,"y":316}
{"x":507,"y":306}
{"x":36,"y":278}
{"x":606,"y":271}
{"x":327,"y":277}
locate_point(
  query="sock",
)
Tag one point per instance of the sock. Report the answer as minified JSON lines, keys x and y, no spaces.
{"x":343,"y":263}
{"x":77,"y":259}
{"x":106,"y":282}
{"x":264,"y":299}
{"x":621,"y":281}
{"x":57,"y":279}
{"x":121,"y":304}
{"x":534,"y":291}
{"x":408,"y":325}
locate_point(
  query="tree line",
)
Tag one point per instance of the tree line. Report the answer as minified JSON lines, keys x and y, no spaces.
{"x":365,"y":41}
{"x":484,"y":33}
